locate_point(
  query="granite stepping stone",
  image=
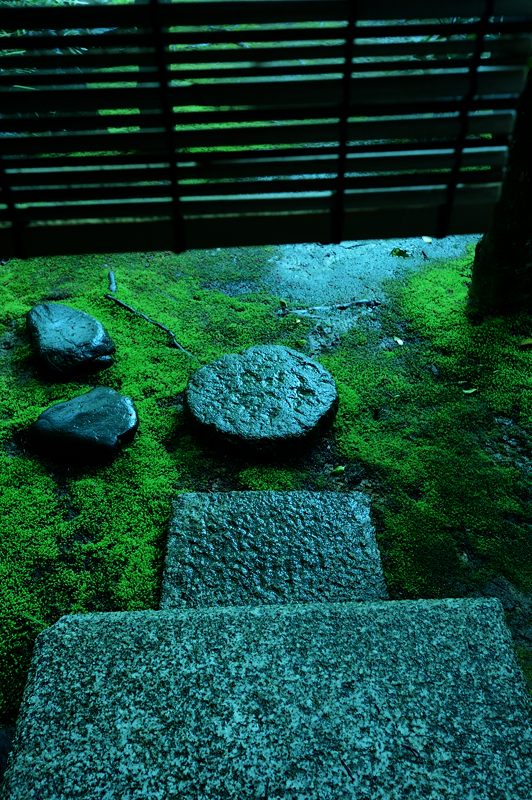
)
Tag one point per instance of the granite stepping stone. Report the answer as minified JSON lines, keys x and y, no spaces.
{"x":248,"y":548}
{"x":67,"y":340}
{"x":98,"y":423}
{"x":387,"y":700}
{"x":264,"y":397}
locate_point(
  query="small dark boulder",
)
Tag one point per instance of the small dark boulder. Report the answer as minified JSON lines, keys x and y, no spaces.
{"x":264,"y":397}
{"x":97,"y":424}
{"x":67,"y":340}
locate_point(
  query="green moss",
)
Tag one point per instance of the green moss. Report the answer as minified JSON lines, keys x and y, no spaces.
{"x":94,"y":541}
{"x":524,"y":657}
{"x":264,"y":477}
{"x":450,"y":515}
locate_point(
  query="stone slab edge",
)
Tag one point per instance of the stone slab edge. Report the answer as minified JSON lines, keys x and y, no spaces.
{"x":378,"y":717}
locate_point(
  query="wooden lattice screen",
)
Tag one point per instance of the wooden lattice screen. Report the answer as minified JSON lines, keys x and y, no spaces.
{"x":200,"y":124}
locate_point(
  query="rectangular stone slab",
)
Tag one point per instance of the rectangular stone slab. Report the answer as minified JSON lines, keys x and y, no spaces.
{"x":383,"y":701}
{"x":249,"y":548}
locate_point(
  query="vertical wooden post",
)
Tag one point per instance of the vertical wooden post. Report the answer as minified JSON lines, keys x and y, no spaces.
{"x":502,"y":270}
{"x":168,"y":116}
{"x":445,"y":212}
{"x":338,"y":199}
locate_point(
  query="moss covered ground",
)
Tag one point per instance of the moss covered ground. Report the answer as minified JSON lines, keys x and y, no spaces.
{"x":433,"y":426}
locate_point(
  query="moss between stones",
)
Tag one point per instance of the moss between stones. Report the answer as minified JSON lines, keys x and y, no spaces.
{"x":73,"y":542}
{"x":449,"y":515}
{"x":267,"y":477}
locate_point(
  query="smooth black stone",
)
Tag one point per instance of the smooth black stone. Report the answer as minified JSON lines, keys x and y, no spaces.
{"x":98,"y":423}
{"x":67,"y":340}
{"x":264,"y":397}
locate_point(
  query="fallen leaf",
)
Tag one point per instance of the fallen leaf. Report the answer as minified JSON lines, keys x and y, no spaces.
{"x":427,"y":239}
{"x":469,"y":391}
{"x":398,"y":340}
{"x":338,"y":470}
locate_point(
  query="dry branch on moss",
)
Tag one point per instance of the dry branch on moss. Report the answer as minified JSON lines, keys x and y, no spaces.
{"x":302,"y":312}
{"x":171,"y":334}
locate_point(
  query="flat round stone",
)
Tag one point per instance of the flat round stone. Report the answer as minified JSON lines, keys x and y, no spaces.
{"x":98,"y":423}
{"x":67,"y":340}
{"x":266,"y":395}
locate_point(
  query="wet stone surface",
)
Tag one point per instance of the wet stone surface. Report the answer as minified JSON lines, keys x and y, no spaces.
{"x":239,"y":548}
{"x":266,"y":396}
{"x":95,"y":424}
{"x":68,"y":341}
{"x":384,"y":700}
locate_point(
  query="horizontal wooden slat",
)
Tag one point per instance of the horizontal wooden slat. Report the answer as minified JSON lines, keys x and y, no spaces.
{"x":150,"y":76}
{"x":230,"y":231}
{"x":421,"y":127}
{"x":248,"y":204}
{"x":107,"y":191}
{"x":93,"y":122}
{"x":324,"y":92}
{"x":328,"y":164}
{"x":511,"y":46}
{"x":156,"y":140}
{"x":364,"y":120}
{"x":220,"y":12}
{"x":304,"y":161}
{"x":509,"y":80}
{"x":270,"y":34}
{"x":107,"y":180}
{"x":146,"y":141}
{"x":88,"y":176}
{"x":74,"y":160}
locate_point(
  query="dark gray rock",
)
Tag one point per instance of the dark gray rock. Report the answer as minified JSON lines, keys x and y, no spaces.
{"x":265,"y":396}
{"x":98,"y":423}
{"x":67,"y":340}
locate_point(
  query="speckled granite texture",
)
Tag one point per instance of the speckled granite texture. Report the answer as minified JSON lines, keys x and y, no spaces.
{"x":248,"y":548}
{"x":382,"y":701}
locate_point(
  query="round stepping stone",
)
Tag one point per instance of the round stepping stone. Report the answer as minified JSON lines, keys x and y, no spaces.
{"x":67,"y":340}
{"x":265,"y":396}
{"x":98,"y":423}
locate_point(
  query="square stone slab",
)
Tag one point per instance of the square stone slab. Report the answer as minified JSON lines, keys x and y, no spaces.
{"x":375,"y":701}
{"x":249,"y":548}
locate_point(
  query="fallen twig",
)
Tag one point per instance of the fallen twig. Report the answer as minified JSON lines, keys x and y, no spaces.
{"x":170,"y":333}
{"x":347,"y":769}
{"x":413,"y":750}
{"x":301,"y":312}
